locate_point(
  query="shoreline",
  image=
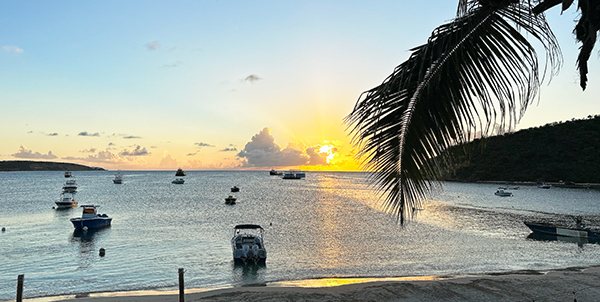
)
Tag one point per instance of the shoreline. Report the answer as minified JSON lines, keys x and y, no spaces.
{"x":524,"y":285}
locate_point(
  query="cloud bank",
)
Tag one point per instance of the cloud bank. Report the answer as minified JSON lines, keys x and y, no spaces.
{"x":12,"y":48}
{"x":24,"y":153}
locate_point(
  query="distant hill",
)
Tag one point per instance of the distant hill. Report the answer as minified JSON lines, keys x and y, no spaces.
{"x":26,"y":165}
{"x":567,"y":151}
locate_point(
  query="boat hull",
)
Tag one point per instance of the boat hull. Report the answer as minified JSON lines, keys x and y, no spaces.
{"x":118,"y":181}
{"x":92,"y":223}
{"x":563,"y":231}
{"x":66,"y":205}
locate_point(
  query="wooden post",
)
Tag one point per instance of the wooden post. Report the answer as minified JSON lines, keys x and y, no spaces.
{"x":20,"y":280}
{"x":181,"y":293}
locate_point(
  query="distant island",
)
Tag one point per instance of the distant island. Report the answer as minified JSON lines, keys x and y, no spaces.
{"x":566,"y":152}
{"x":27,"y":165}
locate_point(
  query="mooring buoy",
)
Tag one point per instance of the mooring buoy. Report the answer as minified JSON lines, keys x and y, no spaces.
{"x":102,"y":252}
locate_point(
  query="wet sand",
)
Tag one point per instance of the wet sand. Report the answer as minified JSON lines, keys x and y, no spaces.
{"x":556,"y":285}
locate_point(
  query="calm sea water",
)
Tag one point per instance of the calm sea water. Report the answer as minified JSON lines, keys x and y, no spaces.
{"x":327,"y":225}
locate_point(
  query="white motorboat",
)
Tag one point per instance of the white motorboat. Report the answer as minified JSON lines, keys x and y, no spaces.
{"x":503,"y":193}
{"x":68,"y":174}
{"x":118,"y":178}
{"x":70,"y":186}
{"x":248,"y":244}
{"x":66,"y":201}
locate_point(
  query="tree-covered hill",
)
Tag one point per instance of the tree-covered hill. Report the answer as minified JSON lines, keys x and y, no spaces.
{"x":25,"y":165}
{"x":567,"y":151}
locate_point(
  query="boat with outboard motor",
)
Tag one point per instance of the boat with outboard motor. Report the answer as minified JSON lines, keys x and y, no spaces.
{"x":235,"y":189}
{"x":248,"y":244}
{"x":66,"y":201}
{"x":180,"y":172}
{"x":230,"y":200}
{"x":578,"y":231}
{"x":118,"y":178}
{"x":178,"y":181}
{"x":90,"y":219}
{"x":70,"y":186}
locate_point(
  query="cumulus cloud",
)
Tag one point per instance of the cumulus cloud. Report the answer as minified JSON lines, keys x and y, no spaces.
{"x":316,"y":157}
{"x":201,"y":144}
{"x":168,"y":161}
{"x":252,"y":78}
{"x":262,"y":151}
{"x":138,"y":151}
{"x":228,"y":149}
{"x":85,"y":133}
{"x":25,"y":153}
{"x":152,"y":45}
{"x":90,"y":150}
{"x":12,"y":48}
{"x":101,"y":157}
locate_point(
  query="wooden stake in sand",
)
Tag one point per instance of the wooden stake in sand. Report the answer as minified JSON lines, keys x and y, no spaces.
{"x":20,"y":280}
{"x":181,"y":293}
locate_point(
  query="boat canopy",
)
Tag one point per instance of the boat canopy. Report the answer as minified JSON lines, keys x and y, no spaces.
{"x":248,"y":226}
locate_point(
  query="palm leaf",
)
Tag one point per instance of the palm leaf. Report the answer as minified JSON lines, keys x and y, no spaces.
{"x":473,"y":72}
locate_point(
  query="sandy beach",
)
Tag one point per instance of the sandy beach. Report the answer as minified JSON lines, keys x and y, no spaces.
{"x":568,"y":284}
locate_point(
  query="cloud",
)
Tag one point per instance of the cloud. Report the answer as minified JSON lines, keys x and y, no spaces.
{"x":85,"y":133}
{"x":228,"y":149}
{"x":131,"y":137}
{"x":111,"y":144}
{"x":169,"y":161}
{"x":24,"y":153}
{"x":52,"y":134}
{"x":262,"y":151}
{"x":101,"y":157}
{"x":152,"y":45}
{"x":191,"y":154}
{"x":11,"y":48}
{"x":203,"y":144}
{"x":316,"y":157}
{"x":90,"y":150}
{"x":252,"y":78}
{"x":138,"y":151}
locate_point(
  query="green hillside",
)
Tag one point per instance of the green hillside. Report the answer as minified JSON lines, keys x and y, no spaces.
{"x":26,"y":165}
{"x":567,"y":151}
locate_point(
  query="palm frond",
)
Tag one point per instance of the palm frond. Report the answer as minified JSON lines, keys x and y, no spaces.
{"x":473,"y":72}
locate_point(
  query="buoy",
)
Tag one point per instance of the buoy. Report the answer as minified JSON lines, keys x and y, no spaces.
{"x":3,"y":229}
{"x":85,"y":228}
{"x":102,"y":252}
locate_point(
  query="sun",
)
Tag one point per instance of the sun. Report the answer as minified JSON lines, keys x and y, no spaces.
{"x":329,"y":150}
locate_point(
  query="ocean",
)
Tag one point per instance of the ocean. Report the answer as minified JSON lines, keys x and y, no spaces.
{"x":329,"y":224}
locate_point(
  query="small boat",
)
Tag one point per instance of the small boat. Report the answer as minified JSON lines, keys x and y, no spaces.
{"x":293,"y":174}
{"x":578,"y":231}
{"x":180,"y":172}
{"x":118,"y":178}
{"x":503,"y":193}
{"x":66,"y":201}
{"x":230,"y":200}
{"x":70,"y":186}
{"x":545,"y":186}
{"x":273,"y":172}
{"x":178,"y":181}
{"x":248,"y":244}
{"x":235,"y":189}
{"x":90,"y":219}
{"x":68,"y":174}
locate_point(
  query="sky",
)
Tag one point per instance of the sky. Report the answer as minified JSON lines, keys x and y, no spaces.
{"x":208,"y":85}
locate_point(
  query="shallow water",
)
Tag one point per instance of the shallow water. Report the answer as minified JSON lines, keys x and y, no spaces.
{"x":326,"y":225}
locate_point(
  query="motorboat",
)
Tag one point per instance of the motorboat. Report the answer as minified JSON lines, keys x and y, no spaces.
{"x":90,"y":219}
{"x":180,"y":172}
{"x":293,"y":174}
{"x":578,"y":231}
{"x":235,"y":189}
{"x":230,"y":200}
{"x":118,"y":178}
{"x":178,"y":181}
{"x":274,"y":172}
{"x":68,"y":174}
{"x":248,"y":244}
{"x":70,"y":186}
{"x":503,"y":193}
{"x":66,"y":201}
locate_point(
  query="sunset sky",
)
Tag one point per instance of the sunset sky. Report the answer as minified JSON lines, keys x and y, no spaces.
{"x":203,"y":85}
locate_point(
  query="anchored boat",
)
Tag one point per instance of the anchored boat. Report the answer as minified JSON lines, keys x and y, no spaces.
{"x":90,"y":219}
{"x":247,"y":244}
